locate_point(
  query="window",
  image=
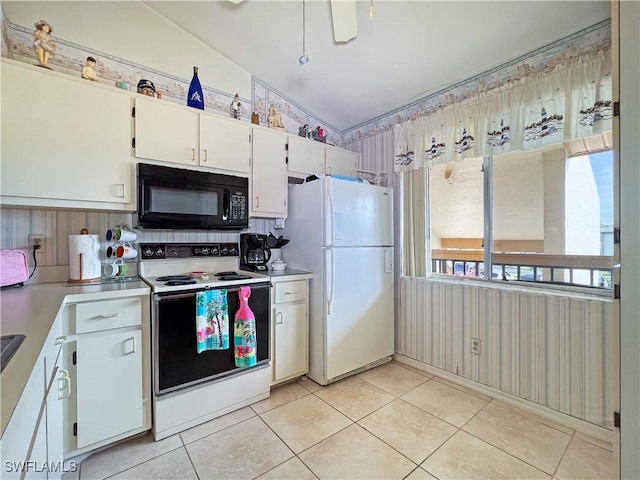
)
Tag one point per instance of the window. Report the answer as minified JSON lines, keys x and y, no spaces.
{"x":549,"y":217}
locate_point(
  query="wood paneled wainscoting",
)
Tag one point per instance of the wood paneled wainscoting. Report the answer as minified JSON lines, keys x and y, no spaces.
{"x":558,"y":350}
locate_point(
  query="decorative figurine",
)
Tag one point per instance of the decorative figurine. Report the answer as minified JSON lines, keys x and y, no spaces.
{"x":146,"y":87}
{"x":236,"y":107}
{"x":275,"y":118}
{"x":195,"y":97}
{"x":304,"y":131}
{"x":88,"y":71}
{"x":255,"y":118}
{"x":43,"y":43}
{"x":319,"y":135}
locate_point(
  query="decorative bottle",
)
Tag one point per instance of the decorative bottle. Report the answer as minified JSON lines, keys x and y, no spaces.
{"x":244,"y":332}
{"x":195,"y":98}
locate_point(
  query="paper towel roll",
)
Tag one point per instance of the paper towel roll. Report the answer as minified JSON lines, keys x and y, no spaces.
{"x":84,"y":258}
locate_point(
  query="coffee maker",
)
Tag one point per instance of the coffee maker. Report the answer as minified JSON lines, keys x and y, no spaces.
{"x":254,"y":252}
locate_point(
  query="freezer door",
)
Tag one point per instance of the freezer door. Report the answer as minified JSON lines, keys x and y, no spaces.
{"x":357,"y":214}
{"x":359,"y":308}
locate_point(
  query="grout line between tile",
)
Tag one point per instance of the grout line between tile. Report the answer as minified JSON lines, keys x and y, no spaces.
{"x":563,"y":454}
{"x":191,"y":460}
{"x":510,"y":454}
{"x":530,"y":415}
{"x":217,"y":431}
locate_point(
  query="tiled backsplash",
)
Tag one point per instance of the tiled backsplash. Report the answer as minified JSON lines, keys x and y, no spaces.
{"x":17,"y":224}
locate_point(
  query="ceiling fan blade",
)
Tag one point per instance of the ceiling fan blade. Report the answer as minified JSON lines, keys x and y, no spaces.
{"x":345,"y":22}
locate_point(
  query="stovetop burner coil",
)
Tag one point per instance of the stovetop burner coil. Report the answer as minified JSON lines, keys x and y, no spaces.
{"x":166,"y":278}
{"x":180,"y":282}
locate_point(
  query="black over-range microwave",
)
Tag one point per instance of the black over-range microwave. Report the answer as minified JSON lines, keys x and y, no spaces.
{"x":178,"y":198}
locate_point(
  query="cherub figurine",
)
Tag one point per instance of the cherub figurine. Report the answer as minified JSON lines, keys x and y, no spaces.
{"x":43,"y":43}
{"x":88,"y":71}
{"x":236,"y":107}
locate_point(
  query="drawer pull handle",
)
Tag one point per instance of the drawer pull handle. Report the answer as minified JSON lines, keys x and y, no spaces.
{"x":290,"y":293}
{"x":65,"y":390}
{"x":60,"y":340}
{"x":110,"y":315}
{"x":281,"y":320}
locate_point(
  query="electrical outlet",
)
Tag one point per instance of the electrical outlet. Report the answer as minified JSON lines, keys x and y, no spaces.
{"x":475,"y":346}
{"x":37,"y":240}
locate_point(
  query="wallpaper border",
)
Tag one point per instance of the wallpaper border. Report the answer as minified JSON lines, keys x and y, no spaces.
{"x":71,"y":57}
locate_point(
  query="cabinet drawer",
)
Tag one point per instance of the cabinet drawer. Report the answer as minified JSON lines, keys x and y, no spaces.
{"x":94,"y":316}
{"x":290,"y":291}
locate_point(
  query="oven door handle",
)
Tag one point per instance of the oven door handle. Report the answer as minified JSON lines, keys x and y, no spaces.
{"x":227,"y":205}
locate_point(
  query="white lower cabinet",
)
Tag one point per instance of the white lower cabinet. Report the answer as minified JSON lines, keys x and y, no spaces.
{"x":31,"y":447}
{"x":109,"y":386}
{"x":290,"y":337}
{"x":108,"y":365}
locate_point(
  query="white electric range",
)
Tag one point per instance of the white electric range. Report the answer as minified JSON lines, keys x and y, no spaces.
{"x":190,"y":388}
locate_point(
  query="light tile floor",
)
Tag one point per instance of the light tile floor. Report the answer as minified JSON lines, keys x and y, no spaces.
{"x":392,"y":422}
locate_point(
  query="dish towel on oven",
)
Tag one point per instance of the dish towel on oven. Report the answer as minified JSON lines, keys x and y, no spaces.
{"x":244,"y":332}
{"x":212,"y":320}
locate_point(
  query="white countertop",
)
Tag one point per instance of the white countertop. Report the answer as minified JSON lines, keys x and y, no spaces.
{"x":31,"y":311}
{"x":289,"y":274}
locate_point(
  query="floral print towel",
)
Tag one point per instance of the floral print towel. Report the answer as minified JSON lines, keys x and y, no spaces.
{"x":212,"y":320}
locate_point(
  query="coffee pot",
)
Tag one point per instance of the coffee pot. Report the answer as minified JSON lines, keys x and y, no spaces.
{"x":254,"y":252}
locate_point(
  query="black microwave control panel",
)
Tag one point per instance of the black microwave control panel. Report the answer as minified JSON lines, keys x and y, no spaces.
{"x":161,"y":251}
{"x":238,"y":206}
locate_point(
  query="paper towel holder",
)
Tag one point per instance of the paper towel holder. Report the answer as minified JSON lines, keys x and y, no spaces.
{"x":81,"y":265}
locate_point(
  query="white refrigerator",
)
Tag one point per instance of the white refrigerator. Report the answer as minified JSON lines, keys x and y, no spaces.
{"x":342,"y":231}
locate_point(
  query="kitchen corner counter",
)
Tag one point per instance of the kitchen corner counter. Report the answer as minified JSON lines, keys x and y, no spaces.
{"x":289,"y":274}
{"x":31,"y":311}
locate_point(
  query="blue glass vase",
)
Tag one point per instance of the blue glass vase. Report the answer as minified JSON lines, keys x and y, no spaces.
{"x":195,"y":98}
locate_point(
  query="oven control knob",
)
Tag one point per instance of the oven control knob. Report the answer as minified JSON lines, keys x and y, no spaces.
{"x":148,"y":252}
{"x":205,"y":251}
{"x":160,"y":252}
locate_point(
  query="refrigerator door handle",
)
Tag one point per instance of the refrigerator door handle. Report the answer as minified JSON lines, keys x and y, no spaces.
{"x":332,"y":217}
{"x":332,"y":285}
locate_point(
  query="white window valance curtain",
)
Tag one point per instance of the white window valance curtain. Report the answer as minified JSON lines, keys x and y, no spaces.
{"x":573,"y":100}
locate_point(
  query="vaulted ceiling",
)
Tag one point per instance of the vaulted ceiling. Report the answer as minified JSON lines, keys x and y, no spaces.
{"x":406,"y":51}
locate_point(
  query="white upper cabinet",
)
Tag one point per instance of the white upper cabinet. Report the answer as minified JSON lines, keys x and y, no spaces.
{"x":65,"y":141}
{"x":173,"y":133}
{"x":165,"y":132}
{"x":305,"y":156}
{"x":340,"y":162}
{"x":225,"y":143}
{"x":269,"y":174}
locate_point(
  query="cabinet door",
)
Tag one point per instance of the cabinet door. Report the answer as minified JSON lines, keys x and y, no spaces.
{"x":56,"y":388}
{"x":340,"y":162}
{"x":305,"y":156}
{"x":269,"y":174}
{"x":63,"y":139}
{"x":225,"y":143}
{"x":291,"y":340}
{"x":166,"y":132}
{"x":109,"y":386}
